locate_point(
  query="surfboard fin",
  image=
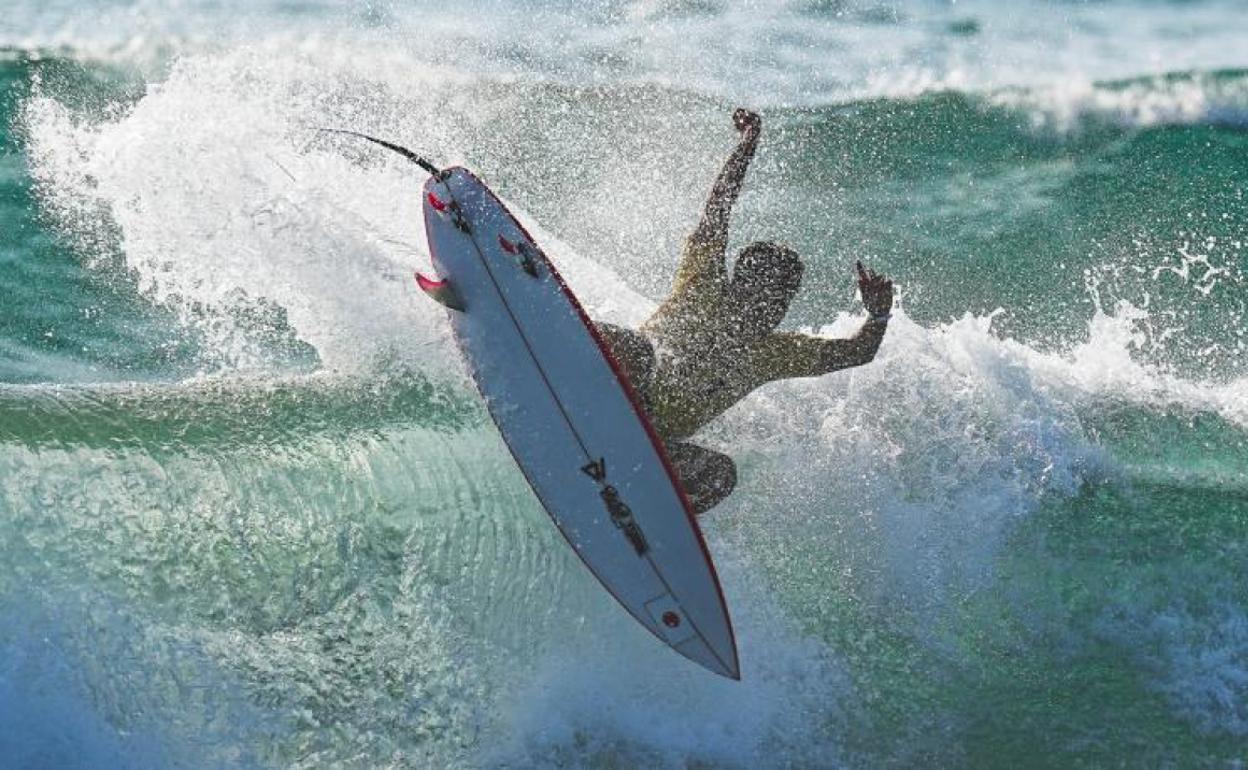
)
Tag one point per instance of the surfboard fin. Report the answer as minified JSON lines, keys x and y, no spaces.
{"x":441,"y":292}
{"x":452,"y":210}
{"x":523,"y":253}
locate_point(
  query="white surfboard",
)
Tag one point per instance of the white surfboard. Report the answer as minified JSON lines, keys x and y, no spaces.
{"x":572,"y":421}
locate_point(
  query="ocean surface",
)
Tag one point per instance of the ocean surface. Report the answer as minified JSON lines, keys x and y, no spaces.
{"x":253,"y":513}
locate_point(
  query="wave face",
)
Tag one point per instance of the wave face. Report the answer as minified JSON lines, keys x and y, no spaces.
{"x":254,"y":514}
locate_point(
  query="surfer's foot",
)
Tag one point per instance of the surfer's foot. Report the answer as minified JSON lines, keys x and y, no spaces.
{"x":707,"y":476}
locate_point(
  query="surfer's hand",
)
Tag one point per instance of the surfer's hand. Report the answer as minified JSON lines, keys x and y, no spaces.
{"x":876,"y":290}
{"x":747,"y":121}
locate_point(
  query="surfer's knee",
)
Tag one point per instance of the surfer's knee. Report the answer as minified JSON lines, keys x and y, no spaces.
{"x":723,"y":476}
{"x":707,"y":476}
{"x":718,"y":481}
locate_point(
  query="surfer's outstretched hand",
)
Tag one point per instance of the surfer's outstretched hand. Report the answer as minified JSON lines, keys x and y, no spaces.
{"x":747,"y":121}
{"x":876,"y":290}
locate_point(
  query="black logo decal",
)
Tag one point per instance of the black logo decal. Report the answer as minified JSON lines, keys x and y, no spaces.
{"x":622,"y":517}
{"x":597,"y":470}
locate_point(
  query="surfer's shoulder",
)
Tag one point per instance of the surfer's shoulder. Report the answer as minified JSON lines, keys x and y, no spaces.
{"x":700,"y":266}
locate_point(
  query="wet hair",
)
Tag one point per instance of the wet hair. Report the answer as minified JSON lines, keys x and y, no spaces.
{"x":765,"y":279}
{"x":769,"y":267}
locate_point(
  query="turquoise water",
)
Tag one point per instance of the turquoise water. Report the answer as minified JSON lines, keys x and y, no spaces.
{"x":254,"y":514}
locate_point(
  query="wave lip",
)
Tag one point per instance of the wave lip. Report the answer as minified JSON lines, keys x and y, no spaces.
{"x":1218,"y":98}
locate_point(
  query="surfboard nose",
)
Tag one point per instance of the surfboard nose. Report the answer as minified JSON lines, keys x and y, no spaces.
{"x":722,"y":662}
{"x":695,"y":641}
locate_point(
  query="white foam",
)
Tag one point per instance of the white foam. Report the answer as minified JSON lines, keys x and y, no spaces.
{"x":907,"y":474}
{"x":1104,"y":367}
{"x":1067,"y":105}
{"x":910,"y":473}
{"x":793,"y":700}
{"x":220,"y":193}
{"x":214,"y":204}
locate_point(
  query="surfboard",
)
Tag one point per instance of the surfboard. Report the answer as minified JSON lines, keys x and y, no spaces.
{"x":572,"y":421}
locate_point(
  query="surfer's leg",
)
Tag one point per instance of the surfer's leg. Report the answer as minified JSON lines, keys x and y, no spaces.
{"x":707,"y":476}
{"x":633,"y":351}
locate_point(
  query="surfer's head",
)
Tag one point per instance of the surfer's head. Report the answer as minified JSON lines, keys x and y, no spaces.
{"x":765,"y":279}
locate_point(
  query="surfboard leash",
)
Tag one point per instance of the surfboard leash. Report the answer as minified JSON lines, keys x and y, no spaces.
{"x":406,"y":153}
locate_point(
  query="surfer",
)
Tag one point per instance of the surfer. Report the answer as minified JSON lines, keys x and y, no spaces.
{"x":714,"y":339}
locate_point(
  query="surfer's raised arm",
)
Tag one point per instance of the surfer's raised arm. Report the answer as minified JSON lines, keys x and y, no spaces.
{"x":798,"y":355}
{"x":704,"y":253}
{"x":714,"y":224}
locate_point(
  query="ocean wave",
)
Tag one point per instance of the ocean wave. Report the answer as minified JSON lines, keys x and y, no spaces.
{"x":1217,"y":99}
{"x":230,"y":410}
{"x":216,"y":193}
{"x":771,"y":53}
{"x":312,"y":539}
{"x":354,"y":550}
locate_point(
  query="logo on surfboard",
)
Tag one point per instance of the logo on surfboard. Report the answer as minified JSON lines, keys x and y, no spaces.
{"x":620,"y":513}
